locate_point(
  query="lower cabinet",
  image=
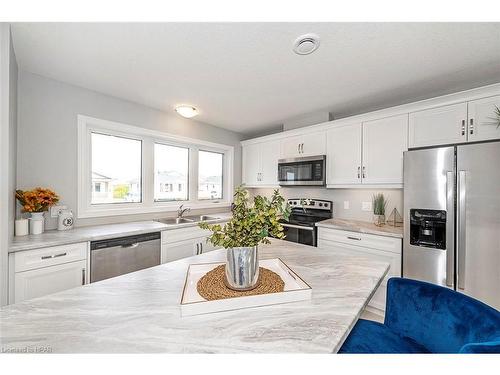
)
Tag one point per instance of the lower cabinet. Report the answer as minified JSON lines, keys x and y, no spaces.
{"x":183,"y":243}
{"x":380,"y":248}
{"x":36,"y":273}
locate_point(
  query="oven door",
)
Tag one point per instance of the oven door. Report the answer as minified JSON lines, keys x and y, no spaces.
{"x":302,"y":171}
{"x":300,"y":234}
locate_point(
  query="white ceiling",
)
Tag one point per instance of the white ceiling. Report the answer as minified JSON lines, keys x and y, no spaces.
{"x":245,"y":77}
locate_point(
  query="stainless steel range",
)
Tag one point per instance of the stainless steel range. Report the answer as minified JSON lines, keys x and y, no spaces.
{"x":305,"y":214}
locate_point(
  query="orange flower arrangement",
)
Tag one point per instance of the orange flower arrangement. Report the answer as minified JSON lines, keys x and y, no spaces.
{"x":37,"y":200}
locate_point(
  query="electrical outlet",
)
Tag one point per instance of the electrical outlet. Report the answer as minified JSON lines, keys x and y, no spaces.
{"x":366,"y":206}
{"x":346,"y":205}
{"x":54,"y":210}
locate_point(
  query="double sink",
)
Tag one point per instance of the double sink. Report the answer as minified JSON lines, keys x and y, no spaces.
{"x":186,"y":219}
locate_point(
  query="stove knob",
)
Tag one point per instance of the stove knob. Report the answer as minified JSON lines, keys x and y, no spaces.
{"x":321,"y":204}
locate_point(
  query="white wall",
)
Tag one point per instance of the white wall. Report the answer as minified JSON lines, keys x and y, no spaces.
{"x":47,"y":135}
{"x":8,"y":141}
{"x":338,"y":196}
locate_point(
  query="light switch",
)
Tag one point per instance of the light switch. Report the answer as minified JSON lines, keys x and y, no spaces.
{"x":366,"y":206}
{"x":346,"y":205}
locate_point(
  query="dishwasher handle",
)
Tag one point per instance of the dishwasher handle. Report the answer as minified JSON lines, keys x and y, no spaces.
{"x":125,"y":242}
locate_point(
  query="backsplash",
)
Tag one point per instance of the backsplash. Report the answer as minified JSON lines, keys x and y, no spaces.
{"x":355,"y":197}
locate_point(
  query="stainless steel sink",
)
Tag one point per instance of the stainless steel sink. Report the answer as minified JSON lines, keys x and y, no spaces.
{"x":186,"y":219}
{"x":201,"y":218}
{"x":175,"y":220}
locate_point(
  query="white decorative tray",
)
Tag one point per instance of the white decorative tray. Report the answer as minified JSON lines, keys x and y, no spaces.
{"x":192,"y":303}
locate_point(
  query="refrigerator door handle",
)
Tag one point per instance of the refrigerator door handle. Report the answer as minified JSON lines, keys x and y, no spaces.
{"x":461,"y":245}
{"x":450,"y":250}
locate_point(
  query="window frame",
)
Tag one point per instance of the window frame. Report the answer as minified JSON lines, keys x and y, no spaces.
{"x":88,"y":125}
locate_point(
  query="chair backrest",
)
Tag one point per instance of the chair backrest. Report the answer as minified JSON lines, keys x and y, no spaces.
{"x":439,"y":318}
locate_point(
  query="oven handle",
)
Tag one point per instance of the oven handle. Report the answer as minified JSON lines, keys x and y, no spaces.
{"x":297,"y":226}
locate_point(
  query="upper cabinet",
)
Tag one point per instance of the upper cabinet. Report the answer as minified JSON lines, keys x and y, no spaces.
{"x":303,"y":145}
{"x":370,"y":153}
{"x":384,"y":142}
{"x":343,"y":157}
{"x":260,"y":164}
{"x":437,"y":126}
{"x":457,"y":123}
{"x":482,"y":123}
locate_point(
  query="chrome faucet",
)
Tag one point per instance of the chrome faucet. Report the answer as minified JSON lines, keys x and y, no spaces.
{"x":181,"y":211}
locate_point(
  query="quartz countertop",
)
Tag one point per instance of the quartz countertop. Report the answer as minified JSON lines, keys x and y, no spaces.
{"x":139,"y":312}
{"x":362,"y":227}
{"x":98,"y":232}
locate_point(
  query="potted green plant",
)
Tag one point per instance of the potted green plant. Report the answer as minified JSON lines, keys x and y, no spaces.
{"x":252,"y":223}
{"x":379,"y":205}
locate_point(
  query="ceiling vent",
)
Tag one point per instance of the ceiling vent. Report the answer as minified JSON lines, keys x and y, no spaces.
{"x":306,"y":44}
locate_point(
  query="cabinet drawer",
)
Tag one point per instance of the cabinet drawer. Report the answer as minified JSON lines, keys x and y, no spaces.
{"x":361,"y":239}
{"x":49,"y":256}
{"x":182,"y":234}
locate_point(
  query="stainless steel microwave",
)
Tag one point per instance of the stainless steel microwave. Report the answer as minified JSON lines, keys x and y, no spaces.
{"x":303,"y":171}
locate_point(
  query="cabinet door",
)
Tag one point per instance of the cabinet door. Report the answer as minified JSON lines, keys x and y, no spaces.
{"x":270,"y":153}
{"x":304,"y":145}
{"x":251,"y":164}
{"x":180,"y":250}
{"x":343,"y":156}
{"x":437,"y":126}
{"x":47,"y":280}
{"x":384,"y":142}
{"x":482,"y":123}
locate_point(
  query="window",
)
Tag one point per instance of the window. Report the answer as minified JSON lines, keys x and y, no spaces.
{"x":124,"y":169}
{"x":116,"y":164}
{"x":210,"y":170}
{"x":171,"y":167}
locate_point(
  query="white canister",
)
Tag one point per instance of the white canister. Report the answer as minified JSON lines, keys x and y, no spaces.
{"x":36,"y":226}
{"x":21,"y":227}
{"x":65,"y":220}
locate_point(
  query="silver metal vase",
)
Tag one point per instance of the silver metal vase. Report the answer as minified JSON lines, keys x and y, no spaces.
{"x":242,"y":268}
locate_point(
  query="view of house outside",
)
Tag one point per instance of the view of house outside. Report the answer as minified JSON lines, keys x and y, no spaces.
{"x":171,"y":173}
{"x":116,"y":169}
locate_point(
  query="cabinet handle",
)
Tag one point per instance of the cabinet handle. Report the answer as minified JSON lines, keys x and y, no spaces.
{"x":354,"y":238}
{"x":463,"y":127}
{"x":83,"y":276}
{"x":471,"y":128}
{"x":201,"y":248}
{"x":359,"y":172}
{"x":197,"y":249}
{"x":302,"y":147}
{"x":298,"y":148}
{"x":364,"y":172}
{"x":53,"y":256}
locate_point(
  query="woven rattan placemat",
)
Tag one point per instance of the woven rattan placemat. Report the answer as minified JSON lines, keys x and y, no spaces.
{"x":212,"y":287}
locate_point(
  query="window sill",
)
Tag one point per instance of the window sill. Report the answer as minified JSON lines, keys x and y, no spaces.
{"x":158,"y":207}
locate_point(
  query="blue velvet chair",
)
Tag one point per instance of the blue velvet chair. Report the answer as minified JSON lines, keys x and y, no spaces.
{"x":426,"y":318}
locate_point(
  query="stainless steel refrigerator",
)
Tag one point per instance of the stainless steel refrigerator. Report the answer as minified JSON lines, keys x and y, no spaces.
{"x":452,"y":218}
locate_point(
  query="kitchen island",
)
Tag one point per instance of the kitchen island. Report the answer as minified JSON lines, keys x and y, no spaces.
{"x":140,"y":313}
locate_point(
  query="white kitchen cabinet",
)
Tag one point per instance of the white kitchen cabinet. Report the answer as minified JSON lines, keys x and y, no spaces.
{"x":304,"y":145}
{"x":384,"y":142}
{"x":35,"y":273}
{"x":379,"y":248}
{"x":251,"y":163}
{"x":343,"y":156}
{"x":185,"y":242}
{"x":482,"y":124}
{"x":42,"y":281}
{"x":260,"y":163}
{"x":437,"y":126}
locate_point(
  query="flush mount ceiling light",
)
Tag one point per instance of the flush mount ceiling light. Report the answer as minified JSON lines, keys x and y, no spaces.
{"x":186,"y":111}
{"x":306,"y":44}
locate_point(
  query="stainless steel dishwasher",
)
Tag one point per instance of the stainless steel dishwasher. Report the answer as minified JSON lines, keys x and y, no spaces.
{"x":118,"y":256}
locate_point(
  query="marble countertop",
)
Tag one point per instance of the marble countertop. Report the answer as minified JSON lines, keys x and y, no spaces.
{"x":362,"y":227}
{"x":97,"y":232}
{"x":140,"y":313}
